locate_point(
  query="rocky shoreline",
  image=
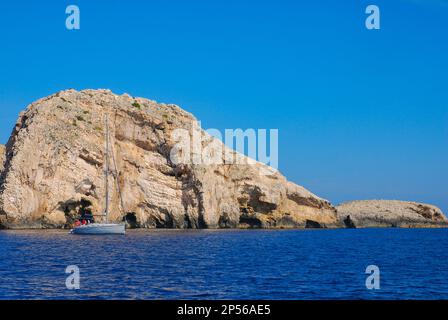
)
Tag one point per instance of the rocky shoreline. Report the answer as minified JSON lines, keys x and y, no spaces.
{"x":390,"y":213}
{"x":51,"y":169}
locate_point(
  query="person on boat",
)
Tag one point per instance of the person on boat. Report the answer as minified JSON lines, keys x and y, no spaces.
{"x":77,"y":223}
{"x":88,"y":216}
{"x":84,"y":222}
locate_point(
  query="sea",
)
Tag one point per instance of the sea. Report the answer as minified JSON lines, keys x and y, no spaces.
{"x":226,"y":264}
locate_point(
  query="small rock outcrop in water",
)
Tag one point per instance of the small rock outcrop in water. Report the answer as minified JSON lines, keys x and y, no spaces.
{"x":54,"y":160}
{"x":390,"y":213}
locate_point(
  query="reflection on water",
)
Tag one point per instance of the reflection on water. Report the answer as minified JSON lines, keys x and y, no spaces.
{"x":230,"y":264}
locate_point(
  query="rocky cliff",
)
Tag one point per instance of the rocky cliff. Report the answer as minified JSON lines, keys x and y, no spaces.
{"x":54,"y":164}
{"x":2,"y":157}
{"x":390,"y":213}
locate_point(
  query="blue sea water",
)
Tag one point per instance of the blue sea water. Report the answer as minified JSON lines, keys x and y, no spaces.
{"x":226,"y":264}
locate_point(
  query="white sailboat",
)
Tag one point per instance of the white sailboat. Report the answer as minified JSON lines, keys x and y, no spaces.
{"x":103,"y":228}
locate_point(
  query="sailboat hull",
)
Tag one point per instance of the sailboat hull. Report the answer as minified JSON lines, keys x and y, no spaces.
{"x":100,"y":228}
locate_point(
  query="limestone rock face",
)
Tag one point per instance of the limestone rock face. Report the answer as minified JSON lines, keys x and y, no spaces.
{"x":390,"y":213}
{"x":54,"y":169}
{"x":2,"y":157}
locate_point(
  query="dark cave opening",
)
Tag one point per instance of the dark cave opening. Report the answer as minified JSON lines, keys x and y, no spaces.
{"x":131,"y":220}
{"x":74,"y":210}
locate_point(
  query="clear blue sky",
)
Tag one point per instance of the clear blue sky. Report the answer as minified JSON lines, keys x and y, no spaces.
{"x":361,"y":114}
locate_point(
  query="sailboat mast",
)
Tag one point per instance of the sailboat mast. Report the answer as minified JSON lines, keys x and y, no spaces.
{"x":107,"y":168}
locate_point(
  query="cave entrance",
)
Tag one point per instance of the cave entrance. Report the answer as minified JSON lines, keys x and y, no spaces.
{"x":75,"y":210}
{"x":131,"y":220}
